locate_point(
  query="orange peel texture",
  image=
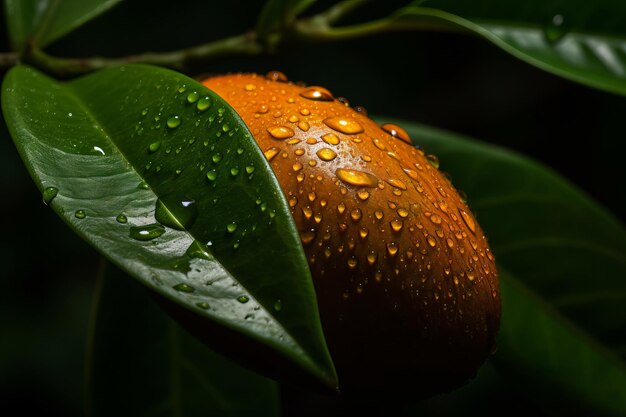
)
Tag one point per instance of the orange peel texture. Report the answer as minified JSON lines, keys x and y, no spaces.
{"x":406,"y":283}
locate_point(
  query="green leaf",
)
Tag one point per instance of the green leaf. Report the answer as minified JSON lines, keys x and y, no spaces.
{"x":562,"y":261}
{"x":579,"y":40}
{"x":278,"y":13}
{"x":144,"y":364}
{"x":120,"y":151}
{"x":43,"y":22}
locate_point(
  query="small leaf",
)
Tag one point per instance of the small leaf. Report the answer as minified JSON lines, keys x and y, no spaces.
{"x":43,"y":21}
{"x":562,"y":261}
{"x":173,"y":216}
{"x":141,"y":363}
{"x":577,"y":40}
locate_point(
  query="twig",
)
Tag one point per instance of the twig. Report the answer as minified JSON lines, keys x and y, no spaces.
{"x":245,"y":44}
{"x":9,"y":59}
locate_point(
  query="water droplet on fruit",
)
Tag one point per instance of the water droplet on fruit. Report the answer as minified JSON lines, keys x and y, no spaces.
{"x":469,"y":221}
{"x":271,"y":153}
{"x":397,"y":132}
{"x":331,"y":139}
{"x":326,"y":154}
{"x":433,"y":160}
{"x":276,"y":76}
{"x":356,"y":178}
{"x":344,"y":125}
{"x":281,"y":132}
{"x":317,"y":93}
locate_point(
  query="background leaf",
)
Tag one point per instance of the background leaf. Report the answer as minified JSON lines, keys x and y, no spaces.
{"x":144,"y":364}
{"x":44,"y":21}
{"x":582,"y":41}
{"x":277,"y":13}
{"x":562,"y":260}
{"x":107,"y":146}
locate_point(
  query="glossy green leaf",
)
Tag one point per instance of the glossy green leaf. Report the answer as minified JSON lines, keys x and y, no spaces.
{"x":562,"y":260}
{"x":44,"y":21}
{"x":165,"y":370}
{"x":161,"y":176}
{"x":278,"y":13}
{"x":579,"y":40}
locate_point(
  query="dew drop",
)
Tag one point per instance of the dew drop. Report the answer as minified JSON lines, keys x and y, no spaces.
{"x":216,"y":157}
{"x":326,"y":154}
{"x":281,"y":132}
{"x":80,"y":214}
{"x":203,"y":305}
{"x":371,"y":258}
{"x":231,"y":227}
{"x":397,"y":132}
{"x":431,"y":241}
{"x":182,"y":287}
{"x":396,"y":225}
{"x":379,"y":214}
{"x":173,"y":122}
{"x":433,"y":160}
{"x":203,"y":103}
{"x":271,"y":153}
{"x":356,"y":214}
{"x":392,"y":248}
{"x":361,"y":109}
{"x":176,"y":211}
{"x":276,"y":76}
{"x":307,"y":236}
{"x":396,"y":183}
{"x":402,"y":212}
{"x":249,"y":169}
{"x":317,"y":93}
{"x":243,"y":299}
{"x":211,"y":175}
{"x":555,"y":29}
{"x":344,"y":125}
{"x":363,"y":194}
{"x":250,"y":87}
{"x":331,"y":139}
{"x":469,"y":221}
{"x":49,"y":193}
{"x":234,"y":172}
{"x":147,"y":232}
{"x":154,"y":146}
{"x":356,"y":178}
{"x":278,"y":305}
{"x":193,"y":97}
{"x":121,"y":218}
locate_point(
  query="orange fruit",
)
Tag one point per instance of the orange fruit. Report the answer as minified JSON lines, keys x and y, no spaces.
{"x":406,"y":283}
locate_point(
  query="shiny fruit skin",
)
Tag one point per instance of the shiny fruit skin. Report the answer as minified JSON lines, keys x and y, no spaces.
{"x":407,"y":286}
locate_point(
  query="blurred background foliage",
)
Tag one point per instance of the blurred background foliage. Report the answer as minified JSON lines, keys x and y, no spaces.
{"x":460,"y":83}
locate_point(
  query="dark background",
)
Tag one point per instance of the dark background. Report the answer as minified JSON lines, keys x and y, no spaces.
{"x":454,"y":82}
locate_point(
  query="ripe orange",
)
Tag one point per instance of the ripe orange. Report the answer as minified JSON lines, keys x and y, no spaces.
{"x":406,"y":283}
